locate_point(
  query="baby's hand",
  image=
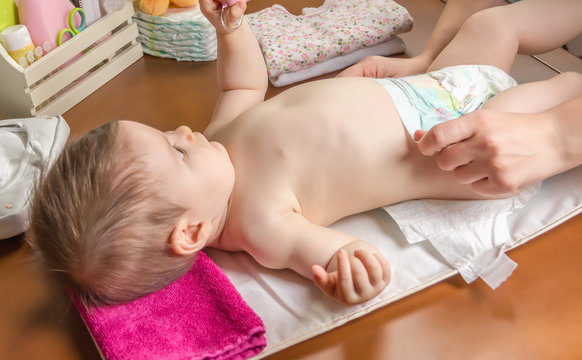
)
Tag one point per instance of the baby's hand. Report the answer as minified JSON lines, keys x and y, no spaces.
{"x":358,"y":277}
{"x":224,"y":23}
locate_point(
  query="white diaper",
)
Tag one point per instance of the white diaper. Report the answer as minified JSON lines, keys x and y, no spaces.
{"x":426,"y":100}
{"x":183,"y":34}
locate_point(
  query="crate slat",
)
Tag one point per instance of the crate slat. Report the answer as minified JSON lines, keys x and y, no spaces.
{"x":80,"y":66}
{"x":61,"y":55}
{"x":92,"y":82}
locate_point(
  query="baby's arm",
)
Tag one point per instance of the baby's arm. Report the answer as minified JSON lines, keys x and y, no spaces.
{"x":242,"y":74}
{"x":345,"y":268}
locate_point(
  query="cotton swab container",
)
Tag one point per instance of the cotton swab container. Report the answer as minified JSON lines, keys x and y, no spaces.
{"x":18,"y":43}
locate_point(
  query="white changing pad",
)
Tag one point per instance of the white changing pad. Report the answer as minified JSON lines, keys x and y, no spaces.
{"x":294,"y":309}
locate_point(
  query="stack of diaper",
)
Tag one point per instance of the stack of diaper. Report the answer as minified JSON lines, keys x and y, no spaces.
{"x":183,"y":34}
{"x":328,"y":38}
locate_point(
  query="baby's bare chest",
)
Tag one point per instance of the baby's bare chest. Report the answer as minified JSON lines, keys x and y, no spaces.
{"x":325,"y":149}
{"x":316,"y":123}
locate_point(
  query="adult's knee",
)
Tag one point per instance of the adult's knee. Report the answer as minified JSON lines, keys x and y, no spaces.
{"x":493,"y":23}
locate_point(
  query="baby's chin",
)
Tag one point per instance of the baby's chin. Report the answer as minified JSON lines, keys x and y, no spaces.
{"x":218,"y":146}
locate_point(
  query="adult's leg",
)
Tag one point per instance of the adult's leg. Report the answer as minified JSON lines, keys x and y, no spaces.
{"x":494,"y":36}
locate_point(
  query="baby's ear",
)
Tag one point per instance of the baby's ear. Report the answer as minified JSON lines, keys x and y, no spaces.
{"x":189,"y":237}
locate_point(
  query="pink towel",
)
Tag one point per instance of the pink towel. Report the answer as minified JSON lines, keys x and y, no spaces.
{"x":199,"y":316}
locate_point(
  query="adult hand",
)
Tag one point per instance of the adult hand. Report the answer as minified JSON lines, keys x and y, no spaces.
{"x":358,"y":277}
{"x":497,"y":153}
{"x":383,"y":67}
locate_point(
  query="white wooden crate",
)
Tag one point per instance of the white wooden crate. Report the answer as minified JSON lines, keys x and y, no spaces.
{"x":65,"y":76}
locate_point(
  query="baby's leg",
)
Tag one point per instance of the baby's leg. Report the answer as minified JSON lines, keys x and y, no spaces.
{"x":494,"y":36}
{"x":537,"y":96}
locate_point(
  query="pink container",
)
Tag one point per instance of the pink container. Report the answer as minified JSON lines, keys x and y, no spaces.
{"x":44,"y":19}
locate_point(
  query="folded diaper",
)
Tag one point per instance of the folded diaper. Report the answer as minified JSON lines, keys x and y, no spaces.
{"x":199,"y":316}
{"x":181,"y":50}
{"x":183,"y":34}
{"x":26,"y":147}
{"x":472,"y":236}
{"x":292,"y":44}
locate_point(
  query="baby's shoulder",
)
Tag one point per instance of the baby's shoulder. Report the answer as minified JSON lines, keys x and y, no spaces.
{"x":255,"y":221}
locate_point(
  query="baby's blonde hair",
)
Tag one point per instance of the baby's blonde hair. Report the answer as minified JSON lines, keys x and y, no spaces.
{"x":99,"y":224}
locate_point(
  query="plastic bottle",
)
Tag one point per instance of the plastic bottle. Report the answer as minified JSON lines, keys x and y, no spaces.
{"x":44,"y":19}
{"x":18,"y":43}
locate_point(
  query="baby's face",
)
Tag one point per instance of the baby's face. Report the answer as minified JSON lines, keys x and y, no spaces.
{"x":190,"y":171}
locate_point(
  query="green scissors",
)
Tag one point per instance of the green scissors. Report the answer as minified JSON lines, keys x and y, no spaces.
{"x":73,"y":30}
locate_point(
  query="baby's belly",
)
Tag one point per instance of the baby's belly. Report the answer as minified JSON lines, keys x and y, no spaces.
{"x":338,"y":144}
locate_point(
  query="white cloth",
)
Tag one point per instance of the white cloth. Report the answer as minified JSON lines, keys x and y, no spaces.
{"x":390,"y":47}
{"x":472,"y":236}
{"x":26,"y":147}
{"x":293,"y":44}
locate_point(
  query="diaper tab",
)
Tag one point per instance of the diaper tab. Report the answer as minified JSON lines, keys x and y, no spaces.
{"x":473,"y":259}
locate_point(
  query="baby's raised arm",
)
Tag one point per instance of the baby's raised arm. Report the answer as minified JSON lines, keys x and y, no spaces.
{"x":242,"y":74}
{"x":345,"y":268}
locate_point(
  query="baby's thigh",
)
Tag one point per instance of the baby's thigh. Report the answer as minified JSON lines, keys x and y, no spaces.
{"x":537,"y":96}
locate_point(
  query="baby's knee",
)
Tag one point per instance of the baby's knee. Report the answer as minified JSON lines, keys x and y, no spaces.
{"x":571,"y":79}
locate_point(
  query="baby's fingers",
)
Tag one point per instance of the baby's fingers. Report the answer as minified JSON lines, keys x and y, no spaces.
{"x":323,"y":280}
{"x":232,"y":16}
{"x":344,"y":277}
{"x":385,"y":265}
{"x":377,"y":267}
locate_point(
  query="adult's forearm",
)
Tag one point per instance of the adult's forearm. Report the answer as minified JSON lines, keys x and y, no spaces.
{"x":567,"y":120}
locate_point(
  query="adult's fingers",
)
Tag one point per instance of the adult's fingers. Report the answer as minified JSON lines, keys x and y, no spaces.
{"x":371,"y":66}
{"x":457,"y":154}
{"x":356,"y":70}
{"x":488,"y":187}
{"x":448,"y":133}
{"x":470,"y":173}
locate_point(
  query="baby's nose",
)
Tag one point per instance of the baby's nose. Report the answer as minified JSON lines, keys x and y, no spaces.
{"x":185,"y":131}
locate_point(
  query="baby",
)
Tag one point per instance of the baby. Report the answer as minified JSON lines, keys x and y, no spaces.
{"x":124,"y":209}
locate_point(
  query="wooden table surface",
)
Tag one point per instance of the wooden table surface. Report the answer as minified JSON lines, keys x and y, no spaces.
{"x":535,"y":314}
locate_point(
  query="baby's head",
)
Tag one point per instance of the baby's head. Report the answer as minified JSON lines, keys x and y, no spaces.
{"x":109,"y":222}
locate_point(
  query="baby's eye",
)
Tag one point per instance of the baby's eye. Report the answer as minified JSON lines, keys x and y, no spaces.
{"x":180,"y":153}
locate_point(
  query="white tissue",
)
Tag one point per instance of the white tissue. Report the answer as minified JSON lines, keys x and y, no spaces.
{"x":472,"y":236}
{"x":109,"y":6}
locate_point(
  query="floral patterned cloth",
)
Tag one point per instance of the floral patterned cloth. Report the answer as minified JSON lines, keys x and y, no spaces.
{"x":292,"y":43}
